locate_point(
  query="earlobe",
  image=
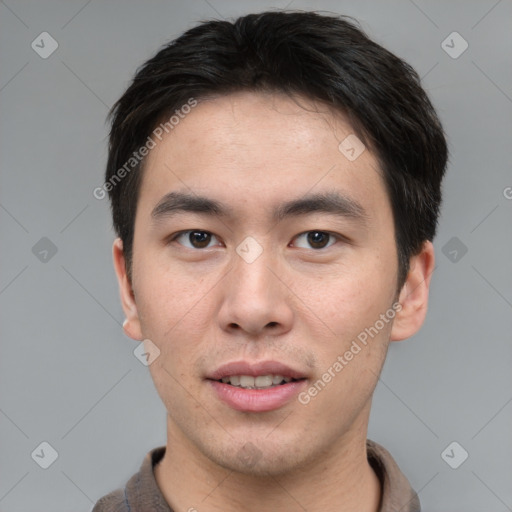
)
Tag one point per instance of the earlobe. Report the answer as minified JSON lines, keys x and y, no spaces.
{"x":414,"y":294}
{"x":131,"y":325}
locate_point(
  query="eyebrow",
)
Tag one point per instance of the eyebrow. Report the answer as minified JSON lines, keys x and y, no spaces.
{"x":176,"y":202}
{"x":327,"y":202}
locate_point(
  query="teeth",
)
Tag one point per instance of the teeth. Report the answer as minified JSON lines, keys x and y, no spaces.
{"x":259,"y":382}
{"x":277,"y":379}
{"x":246,"y":381}
{"x":263,"y":381}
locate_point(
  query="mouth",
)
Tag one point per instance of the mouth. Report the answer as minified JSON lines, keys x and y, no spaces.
{"x":256,"y":387}
{"x":258,"y":382}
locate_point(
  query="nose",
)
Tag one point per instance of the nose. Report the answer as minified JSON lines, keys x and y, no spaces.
{"x":255,"y":298}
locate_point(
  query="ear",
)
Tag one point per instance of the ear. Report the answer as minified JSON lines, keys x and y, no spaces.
{"x":131,"y":325}
{"x":414,"y":295}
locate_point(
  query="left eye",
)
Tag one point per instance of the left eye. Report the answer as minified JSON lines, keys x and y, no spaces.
{"x":194,"y":239}
{"x":316,"y":239}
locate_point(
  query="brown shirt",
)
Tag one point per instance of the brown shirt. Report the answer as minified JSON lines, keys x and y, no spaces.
{"x":142,"y":493}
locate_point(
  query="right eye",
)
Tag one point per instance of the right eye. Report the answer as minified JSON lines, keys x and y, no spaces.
{"x":193,"y":238}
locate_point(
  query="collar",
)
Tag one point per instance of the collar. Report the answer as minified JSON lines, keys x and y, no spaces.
{"x":142,"y":492}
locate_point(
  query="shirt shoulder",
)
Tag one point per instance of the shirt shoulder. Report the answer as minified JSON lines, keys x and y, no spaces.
{"x":397,"y":493}
{"x":113,"y":502}
{"x":141,"y":492}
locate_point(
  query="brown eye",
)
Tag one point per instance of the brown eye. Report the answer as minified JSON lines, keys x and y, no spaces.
{"x":194,"y":239}
{"x":199,"y":239}
{"x":316,"y":239}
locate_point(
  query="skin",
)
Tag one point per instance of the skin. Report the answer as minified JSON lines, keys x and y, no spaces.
{"x":297,"y":304}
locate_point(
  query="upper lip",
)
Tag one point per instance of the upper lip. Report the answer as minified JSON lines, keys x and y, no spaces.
{"x":255,"y":369}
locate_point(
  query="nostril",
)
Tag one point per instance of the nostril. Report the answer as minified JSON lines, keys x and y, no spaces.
{"x":272,"y":324}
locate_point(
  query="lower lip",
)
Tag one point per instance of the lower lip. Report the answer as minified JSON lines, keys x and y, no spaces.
{"x":257,"y":400}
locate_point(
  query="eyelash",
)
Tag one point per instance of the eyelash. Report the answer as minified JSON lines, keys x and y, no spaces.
{"x":336,"y":236}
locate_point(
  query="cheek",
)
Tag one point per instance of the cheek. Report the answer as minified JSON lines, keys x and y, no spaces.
{"x":172,"y":306}
{"x":350,"y":361}
{"x":352,"y":305}
{"x":166,"y":291}
{"x":175,"y":313}
{"x":349,"y":299}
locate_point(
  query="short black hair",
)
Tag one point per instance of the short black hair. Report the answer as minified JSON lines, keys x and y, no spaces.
{"x":321,"y":57}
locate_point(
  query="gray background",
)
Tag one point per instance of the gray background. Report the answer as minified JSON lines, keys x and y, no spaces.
{"x":68,"y":375}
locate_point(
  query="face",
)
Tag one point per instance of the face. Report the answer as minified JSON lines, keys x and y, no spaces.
{"x":262,"y":256}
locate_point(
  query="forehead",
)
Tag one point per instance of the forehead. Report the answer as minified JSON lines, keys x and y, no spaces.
{"x":249,"y":121}
{"x":250,"y":148}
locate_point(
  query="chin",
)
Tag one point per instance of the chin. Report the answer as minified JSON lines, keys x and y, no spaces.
{"x":263,"y":468}
{"x":258,"y":459}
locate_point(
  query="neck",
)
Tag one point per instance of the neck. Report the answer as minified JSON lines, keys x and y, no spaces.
{"x":340,"y":480}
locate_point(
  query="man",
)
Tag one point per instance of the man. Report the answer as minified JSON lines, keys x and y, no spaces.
{"x":275,"y":185}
